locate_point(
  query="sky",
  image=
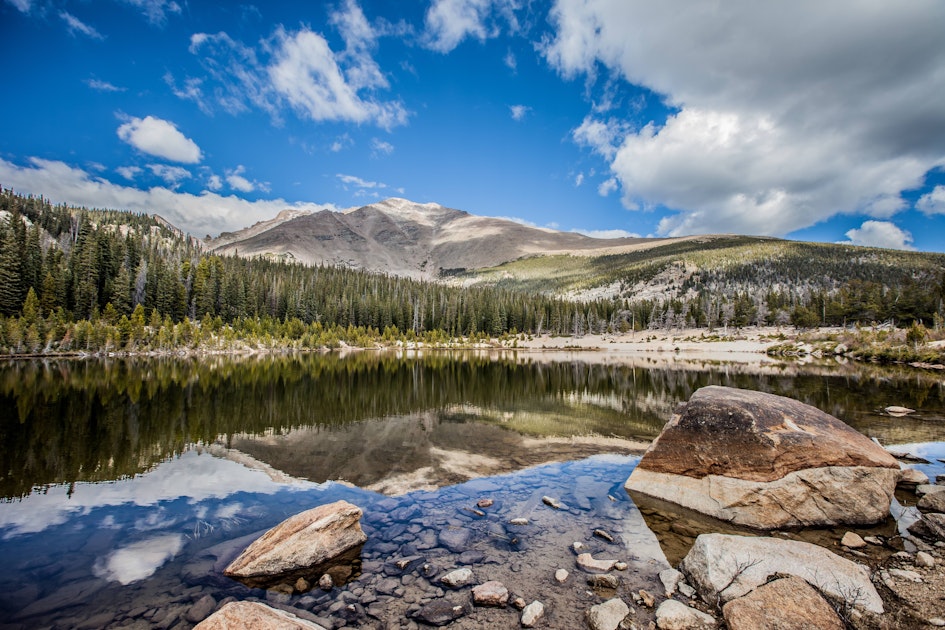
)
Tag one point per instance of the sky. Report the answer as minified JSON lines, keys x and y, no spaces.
{"x":801,"y":119}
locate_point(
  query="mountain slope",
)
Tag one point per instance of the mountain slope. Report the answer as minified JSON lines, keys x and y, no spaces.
{"x":405,"y":238}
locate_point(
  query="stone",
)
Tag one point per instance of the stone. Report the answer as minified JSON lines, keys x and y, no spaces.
{"x":254,"y":616}
{"x":608,"y":615}
{"x":491,"y":593}
{"x":621,"y":566}
{"x":603,"y":535}
{"x":723,"y":567}
{"x":648,"y":600}
{"x":302,"y":543}
{"x":532,"y":614}
{"x":201,"y":609}
{"x":670,"y":579}
{"x":519,"y":521}
{"x":326,"y":583}
{"x":938,"y":622}
{"x":874,"y":540}
{"x":485,"y":503}
{"x":932,"y":502}
{"x":587,"y":562}
{"x":455,"y":539}
{"x":561,"y":575}
{"x":673,"y":615}
{"x":551,"y":502}
{"x":905,"y":574}
{"x":930,"y":527}
{"x":766,"y":462}
{"x":577,"y":546}
{"x":440,"y":612}
{"x":458,"y":578}
{"x":785,"y":604}
{"x":926,"y":488}
{"x":924,"y":560}
{"x":852,"y":540}
{"x":302,"y":585}
{"x":518,"y":602}
{"x":603,"y":581}
{"x":897,"y":411}
{"x":910,"y":478}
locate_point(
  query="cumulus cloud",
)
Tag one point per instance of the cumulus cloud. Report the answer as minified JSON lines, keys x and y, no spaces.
{"x":298,"y":70}
{"x":933,"y":202}
{"x":607,"y":186}
{"x":781,"y":114}
{"x":237,"y":182}
{"x":449,"y":22}
{"x":519,"y":111}
{"x":129,"y":172}
{"x":879,"y":234}
{"x":160,"y":138}
{"x":214,"y":182}
{"x":172,"y":175}
{"x":75,"y":25}
{"x":206,"y":213}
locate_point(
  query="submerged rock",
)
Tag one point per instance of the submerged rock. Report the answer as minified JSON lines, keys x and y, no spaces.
{"x":440,"y":612}
{"x":766,"y":462}
{"x":254,"y":616}
{"x":458,"y":578}
{"x":302,"y":545}
{"x":587,"y":562}
{"x":491,"y":593}
{"x":785,"y":604}
{"x":723,"y":567}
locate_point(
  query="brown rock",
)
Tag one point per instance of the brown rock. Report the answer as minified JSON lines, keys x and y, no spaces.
{"x":304,"y":544}
{"x":587,"y":562}
{"x":852,"y":540}
{"x":491,"y":593}
{"x":910,"y":478}
{"x":485,"y":503}
{"x":932,"y":502}
{"x":254,"y":616}
{"x":767,"y":462}
{"x":785,"y":604}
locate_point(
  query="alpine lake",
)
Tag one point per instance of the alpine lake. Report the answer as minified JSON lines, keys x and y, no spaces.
{"x":128,"y":484}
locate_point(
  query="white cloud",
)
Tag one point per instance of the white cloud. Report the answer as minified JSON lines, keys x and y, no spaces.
{"x":23,"y":6}
{"x":607,"y":186}
{"x":190,"y":91}
{"x":357,"y":182}
{"x":76,"y":25}
{"x":783,"y":114}
{"x":449,"y":22}
{"x":160,"y":138}
{"x":607,"y":233}
{"x":601,"y":136}
{"x":510,"y":61}
{"x":155,"y":10}
{"x":103,"y":86}
{"x":519,"y":111}
{"x":933,"y":202}
{"x":237,"y":182}
{"x":173,"y":175}
{"x":138,"y":560}
{"x":206,"y":213}
{"x":379,"y":147}
{"x":579,"y":179}
{"x":341,"y":142}
{"x":880,"y":234}
{"x":128,"y":172}
{"x":214,"y":182}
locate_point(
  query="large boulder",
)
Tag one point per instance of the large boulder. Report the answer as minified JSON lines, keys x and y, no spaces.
{"x":766,"y":462}
{"x":326,"y":539}
{"x":723,"y":567}
{"x":254,"y":616}
{"x":785,"y":604}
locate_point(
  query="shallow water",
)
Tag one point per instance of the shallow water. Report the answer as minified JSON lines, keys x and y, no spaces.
{"x":131,"y":484}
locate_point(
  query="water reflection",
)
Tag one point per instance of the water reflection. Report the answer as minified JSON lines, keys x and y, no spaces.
{"x":389,"y":421}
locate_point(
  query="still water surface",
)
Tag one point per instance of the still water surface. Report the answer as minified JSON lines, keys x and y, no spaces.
{"x":126,"y":485}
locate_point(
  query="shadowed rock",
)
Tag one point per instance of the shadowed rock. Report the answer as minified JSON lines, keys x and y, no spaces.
{"x":766,"y":462}
{"x":785,"y":604}
{"x":254,"y":616}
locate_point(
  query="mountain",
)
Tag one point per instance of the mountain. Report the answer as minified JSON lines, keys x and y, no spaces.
{"x":409,"y":239}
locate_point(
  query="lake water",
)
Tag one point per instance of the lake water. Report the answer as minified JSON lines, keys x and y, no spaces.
{"x":127,"y":485}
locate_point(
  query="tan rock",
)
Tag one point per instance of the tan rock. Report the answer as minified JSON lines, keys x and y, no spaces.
{"x":852,"y":540}
{"x":724,"y":567}
{"x":911,"y":477}
{"x":491,"y":593}
{"x":932,"y":502}
{"x":587,"y":562}
{"x":767,"y":462}
{"x":786,"y":604}
{"x":608,"y":615}
{"x":304,"y":543}
{"x":254,"y":616}
{"x":532,"y":614}
{"x":673,"y":615}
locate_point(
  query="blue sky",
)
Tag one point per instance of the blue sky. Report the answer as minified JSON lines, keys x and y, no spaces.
{"x":809,"y":120}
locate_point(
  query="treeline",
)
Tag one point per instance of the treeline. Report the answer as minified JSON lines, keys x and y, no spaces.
{"x":78,"y":280}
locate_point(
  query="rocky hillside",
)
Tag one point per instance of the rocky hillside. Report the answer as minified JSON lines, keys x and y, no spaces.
{"x":407,"y":239}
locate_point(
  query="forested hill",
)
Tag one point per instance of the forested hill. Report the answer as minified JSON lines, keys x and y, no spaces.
{"x":73,"y":279}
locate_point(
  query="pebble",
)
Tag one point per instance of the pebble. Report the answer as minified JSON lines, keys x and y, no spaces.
{"x":532,"y":614}
{"x":577,"y":546}
{"x":587,"y":562}
{"x":852,"y":540}
{"x":603,"y":581}
{"x":302,"y":585}
{"x":519,"y":521}
{"x":607,"y":616}
{"x":518,"y":602}
{"x":485,"y":503}
{"x":621,"y":566}
{"x":903,"y":574}
{"x":673,"y":614}
{"x":873,"y":540}
{"x":670,"y":579}
{"x":604,"y":535}
{"x":648,"y":599}
{"x":938,"y":622}
{"x":440,"y":612}
{"x":475,"y":511}
{"x":562,"y":575}
{"x":491,"y":593}
{"x":551,"y":502}
{"x":923,"y":559}
{"x":458,"y":578}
